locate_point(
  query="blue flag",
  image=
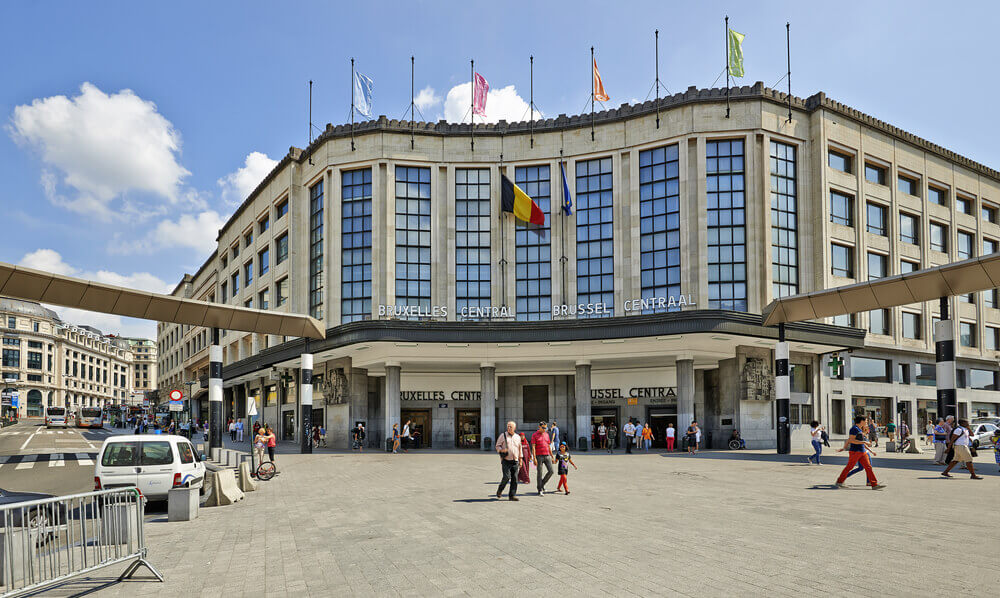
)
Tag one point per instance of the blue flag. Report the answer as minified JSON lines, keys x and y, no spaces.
{"x":567,"y":198}
{"x":363,"y":87}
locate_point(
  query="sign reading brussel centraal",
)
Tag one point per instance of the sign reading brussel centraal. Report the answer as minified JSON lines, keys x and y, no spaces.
{"x":504,"y":312}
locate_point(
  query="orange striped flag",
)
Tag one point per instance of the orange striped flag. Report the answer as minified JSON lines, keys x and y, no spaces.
{"x":599,"y":94}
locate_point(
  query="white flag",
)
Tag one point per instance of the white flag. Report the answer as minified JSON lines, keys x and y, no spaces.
{"x":363,"y":87}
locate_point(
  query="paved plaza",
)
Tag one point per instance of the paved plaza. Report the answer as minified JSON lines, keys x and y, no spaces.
{"x":720,"y":523}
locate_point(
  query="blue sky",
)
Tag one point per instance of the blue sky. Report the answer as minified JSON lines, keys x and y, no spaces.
{"x":127,"y":186}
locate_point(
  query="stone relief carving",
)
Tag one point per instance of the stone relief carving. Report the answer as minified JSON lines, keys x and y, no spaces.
{"x":757,"y":380}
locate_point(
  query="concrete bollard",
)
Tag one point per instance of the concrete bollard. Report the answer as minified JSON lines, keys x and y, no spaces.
{"x":182,"y":504}
{"x":226,"y":489}
{"x":247,"y":484}
{"x":14,"y":560}
{"x":214,"y":454}
{"x":119,"y":522}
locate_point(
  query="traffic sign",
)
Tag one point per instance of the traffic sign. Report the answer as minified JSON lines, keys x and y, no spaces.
{"x":176,"y":395}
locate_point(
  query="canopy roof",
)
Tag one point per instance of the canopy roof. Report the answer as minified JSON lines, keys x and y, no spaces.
{"x":957,"y":278}
{"x":34,"y":285}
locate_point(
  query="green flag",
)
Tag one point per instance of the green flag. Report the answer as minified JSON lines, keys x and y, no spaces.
{"x":736,"y":53}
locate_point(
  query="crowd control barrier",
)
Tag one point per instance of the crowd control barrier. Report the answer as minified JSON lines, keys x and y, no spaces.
{"x":49,"y":541}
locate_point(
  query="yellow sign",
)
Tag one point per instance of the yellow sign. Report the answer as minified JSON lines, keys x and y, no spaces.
{"x":633,"y":400}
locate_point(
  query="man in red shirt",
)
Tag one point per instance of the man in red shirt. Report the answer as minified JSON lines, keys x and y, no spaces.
{"x":541,"y":454}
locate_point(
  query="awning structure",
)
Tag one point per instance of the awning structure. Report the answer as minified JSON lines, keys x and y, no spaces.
{"x":35,"y":285}
{"x":957,"y":278}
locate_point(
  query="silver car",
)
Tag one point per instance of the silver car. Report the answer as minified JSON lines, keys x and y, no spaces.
{"x":980,"y":434}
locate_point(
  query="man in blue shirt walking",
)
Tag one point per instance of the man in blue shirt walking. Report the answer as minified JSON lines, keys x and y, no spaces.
{"x":858,"y":454}
{"x":554,"y":434}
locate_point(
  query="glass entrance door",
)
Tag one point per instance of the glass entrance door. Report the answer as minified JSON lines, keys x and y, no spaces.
{"x":467,"y":432}
{"x":420,"y":426}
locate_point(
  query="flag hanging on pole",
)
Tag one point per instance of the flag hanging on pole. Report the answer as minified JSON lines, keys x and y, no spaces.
{"x":363,"y":87}
{"x":736,"y":53}
{"x":479,"y":96}
{"x":517,"y":202}
{"x":567,"y":198}
{"x":599,"y":94}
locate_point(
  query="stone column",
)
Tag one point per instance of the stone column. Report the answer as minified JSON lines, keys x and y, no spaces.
{"x":215,"y":392}
{"x":487,"y":404}
{"x":685,"y":394}
{"x":358,"y":401}
{"x":582,"y":381}
{"x":782,"y":393}
{"x":392,"y":371}
{"x":306,"y":403}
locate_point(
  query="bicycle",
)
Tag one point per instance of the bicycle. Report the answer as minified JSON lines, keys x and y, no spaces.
{"x":266,"y":470}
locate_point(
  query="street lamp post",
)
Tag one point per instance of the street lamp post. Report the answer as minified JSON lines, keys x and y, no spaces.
{"x":190,"y":399}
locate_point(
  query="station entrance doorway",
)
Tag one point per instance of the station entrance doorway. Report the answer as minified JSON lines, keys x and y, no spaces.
{"x":420,"y":426}
{"x":659,"y":418}
{"x":467,"y":432}
{"x":607,"y":416}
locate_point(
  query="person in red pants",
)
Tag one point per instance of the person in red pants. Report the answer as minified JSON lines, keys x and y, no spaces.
{"x":858,"y":454}
{"x":671,"y":435}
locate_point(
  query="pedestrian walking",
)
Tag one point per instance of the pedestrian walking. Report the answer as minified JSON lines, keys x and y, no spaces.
{"x":361,"y":437}
{"x":949,"y":426}
{"x":929,"y":434}
{"x":904,"y":435}
{"x":602,"y":435}
{"x":697,"y":437}
{"x":395,"y":438}
{"x":232,"y":430}
{"x":671,"y":437}
{"x":508,"y":446}
{"x":995,"y":441}
{"x":554,"y":433}
{"x":612,"y":438}
{"x":858,"y":468}
{"x":692,"y":438}
{"x":239,"y":431}
{"x":564,"y":460}
{"x":629,"y":430}
{"x":959,"y":441}
{"x":940,"y":435}
{"x":315,"y":436}
{"x":647,"y":437}
{"x":322,"y":434}
{"x":405,"y":438}
{"x":890,"y":430}
{"x":858,"y":454}
{"x":523,"y":472}
{"x":541,"y":454}
{"x":638,"y":435}
{"x":816,"y":431}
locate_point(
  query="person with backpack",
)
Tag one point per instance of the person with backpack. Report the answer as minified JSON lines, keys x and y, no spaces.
{"x":959,"y":442}
{"x":816,"y":431}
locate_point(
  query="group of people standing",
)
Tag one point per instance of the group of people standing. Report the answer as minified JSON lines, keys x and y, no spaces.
{"x":235,"y":427}
{"x":543,"y":450}
{"x":264,"y":438}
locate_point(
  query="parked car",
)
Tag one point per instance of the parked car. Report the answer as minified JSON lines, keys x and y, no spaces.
{"x":10,"y":497}
{"x":153,"y":464}
{"x":980,"y":434}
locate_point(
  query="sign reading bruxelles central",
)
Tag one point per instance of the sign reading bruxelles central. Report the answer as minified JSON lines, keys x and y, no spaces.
{"x":505,"y":312}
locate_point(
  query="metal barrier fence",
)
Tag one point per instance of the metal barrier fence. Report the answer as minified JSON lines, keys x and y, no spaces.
{"x":49,"y":541}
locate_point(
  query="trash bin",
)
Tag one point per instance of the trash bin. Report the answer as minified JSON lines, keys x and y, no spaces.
{"x":388,"y":445}
{"x":581,"y":443}
{"x":487,"y":444}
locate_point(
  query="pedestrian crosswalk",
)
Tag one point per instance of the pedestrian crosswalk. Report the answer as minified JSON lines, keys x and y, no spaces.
{"x":50,"y":432}
{"x":20,"y":462}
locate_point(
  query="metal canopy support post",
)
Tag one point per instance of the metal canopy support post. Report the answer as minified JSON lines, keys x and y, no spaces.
{"x":944,"y":352}
{"x":215,"y":392}
{"x":782,"y":393}
{"x":306,"y":403}
{"x":487,"y":408}
{"x":582,"y":388}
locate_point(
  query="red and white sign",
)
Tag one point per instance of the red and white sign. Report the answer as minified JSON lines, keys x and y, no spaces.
{"x":176,"y":395}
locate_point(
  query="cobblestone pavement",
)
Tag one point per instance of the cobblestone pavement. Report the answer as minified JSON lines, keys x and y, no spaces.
{"x":722,"y":523}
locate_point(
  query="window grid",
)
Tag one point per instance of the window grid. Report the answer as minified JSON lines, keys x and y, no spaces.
{"x":841,"y":209}
{"x":413,"y":237}
{"x":594,"y":234}
{"x":659,"y":224}
{"x":533,"y":267}
{"x":316,"y":251}
{"x":727,"y":287}
{"x":784,"y":221}
{"x":472,"y":238}
{"x":356,"y":246}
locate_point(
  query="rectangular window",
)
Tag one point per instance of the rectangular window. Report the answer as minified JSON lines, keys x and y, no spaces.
{"x":356,"y":245}
{"x":34,"y":345}
{"x":841,"y":208}
{"x":990,"y":298}
{"x":223,"y":293}
{"x":839,"y":161}
{"x":963,"y":204}
{"x":281,"y":290}
{"x":982,"y":379}
{"x":533,"y":247}
{"x":989,"y":246}
{"x":936,"y":195}
{"x":876,"y":219}
{"x":11,"y":358}
{"x":906,"y":266}
{"x":868,"y":369}
{"x":939,"y":237}
{"x":909,"y":228}
{"x":903,"y":373}
{"x":281,"y":249}
{"x":878,"y":266}
{"x":11,"y":322}
{"x":967,"y":334}
{"x":264,"y":260}
{"x":316,"y":251}
{"x":989,"y":213}
{"x":248,"y":273}
{"x":842,"y":260}
{"x":264,"y":299}
{"x":413,"y":237}
{"x":535,"y":403}
{"x":236,"y":251}
{"x":874,"y":174}
{"x":878,"y":321}
{"x":911,"y":325}
{"x":784,"y":221}
{"x":263,"y":224}
{"x":472,"y":239}
{"x":248,"y":238}
{"x":907,"y":185}
{"x":727,"y":276}
{"x":966,"y":245}
{"x":595,"y":254}
{"x":800,"y":377}
{"x":659,"y":224}
{"x":281,"y":209}
{"x":248,"y":303}
{"x":34,"y":360}
{"x":34,"y":326}
{"x":12,"y":342}
{"x":843,"y":320}
{"x":235,"y":282}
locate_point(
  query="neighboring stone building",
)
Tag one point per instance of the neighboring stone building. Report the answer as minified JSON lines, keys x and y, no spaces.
{"x":643,"y":303}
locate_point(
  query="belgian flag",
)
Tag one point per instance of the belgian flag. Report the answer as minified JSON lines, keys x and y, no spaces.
{"x":517,"y":202}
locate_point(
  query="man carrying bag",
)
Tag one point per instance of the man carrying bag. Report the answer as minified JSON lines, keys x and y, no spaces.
{"x":508,"y":446}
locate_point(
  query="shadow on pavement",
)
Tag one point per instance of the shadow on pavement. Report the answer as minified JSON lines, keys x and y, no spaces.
{"x":471,"y":500}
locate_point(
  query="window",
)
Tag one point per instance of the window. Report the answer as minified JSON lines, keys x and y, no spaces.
{"x":248,"y":273}
{"x":874,"y":174}
{"x":906,"y":266}
{"x":936,"y":195}
{"x":34,"y":345}
{"x":34,"y":360}
{"x":727,"y":277}
{"x":878,"y":321}
{"x":316,"y":251}
{"x":263,"y":260}
{"x":841,"y":209}
{"x":248,"y":303}
{"x":907,"y":185}
{"x":34,"y":326}
{"x":842,"y":259}
{"x":281,"y":209}
{"x":903,"y":373}
{"x":472,"y":239}
{"x":989,"y":213}
{"x":356,"y":245}
{"x":939,"y":237}
{"x":264,"y":299}
{"x":876,"y":219}
{"x":533,"y":263}
{"x":878,"y":266}
{"x":281,"y":249}
{"x":800,"y":377}
{"x":12,"y":342}
{"x":413,"y":236}
{"x":992,"y":338}
{"x":263,"y":224}
{"x":911,"y":325}
{"x":989,"y":246}
{"x":185,"y":451}
{"x":983,"y":380}
{"x":966,"y":245}
{"x":156,"y":453}
{"x":222,"y":292}
{"x":281,"y":290}
{"x":963,"y":204}
{"x":659,"y":223}
{"x":536,"y":403}
{"x":868,"y":369}
{"x":11,"y":322}
{"x":843,"y":320}
{"x":594,"y":238}
{"x":120,"y":454}
{"x":990,"y":298}
{"x":225,"y":261}
{"x":800,"y":413}
{"x":236,"y":251}
{"x":784,"y":221}
{"x":11,"y":358}
{"x":248,"y":238}
{"x":235,"y":280}
{"x":839,"y":161}
{"x":967,"y":334}
{"x":960,"y":378}
{"x":34,"y":377}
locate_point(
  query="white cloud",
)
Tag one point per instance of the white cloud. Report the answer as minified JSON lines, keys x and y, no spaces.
{"x":501,"y":104}
{"x":50,"y":260}
{"x":237,"y":186}
{"x":197,"y":231}
{"x":426,"y":99}
{"x":103,"y":146}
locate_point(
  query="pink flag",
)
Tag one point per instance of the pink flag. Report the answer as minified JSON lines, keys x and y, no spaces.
{"x":479,"y":95}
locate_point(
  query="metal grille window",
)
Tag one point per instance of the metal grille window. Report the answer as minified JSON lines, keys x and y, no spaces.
{"x":784,"y":221}
{"x":316,"y":251}
{"x":35,"y":361}
{"x":659,"y":224}
{"x":727,"y":287}
{"x":413,"y":236}
{"x":533,"y":248}
{"x":11,"y":358}
{"x":472,"y":239}
{"x":356,"y":246}
{"x":594,"y":234}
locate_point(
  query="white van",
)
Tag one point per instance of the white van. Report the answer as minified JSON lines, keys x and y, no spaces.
{"x":153,"y":463}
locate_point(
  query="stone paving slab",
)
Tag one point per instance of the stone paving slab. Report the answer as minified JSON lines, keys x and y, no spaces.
{"x":717,"y":524}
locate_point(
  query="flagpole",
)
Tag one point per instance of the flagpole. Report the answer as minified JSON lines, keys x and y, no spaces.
{"x":531,"y":102}
{"x":592,"y":91}
{"x":352,"y":104}
{"x":657,"y":33}
{"x":562,"y":229}
{"x":310,"y":118}
{"x":727,"y":66}
{"x":503,"y":236}
{"x":788,"y":50}
{"x":413,"y":112}
{"x":472,"y":102}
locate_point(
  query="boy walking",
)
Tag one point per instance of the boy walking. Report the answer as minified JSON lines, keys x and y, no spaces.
{"x":858,"y":454}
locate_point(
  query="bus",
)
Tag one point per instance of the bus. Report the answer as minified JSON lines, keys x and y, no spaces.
{"x":55,"y":416}
{"x":90,"y":417}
